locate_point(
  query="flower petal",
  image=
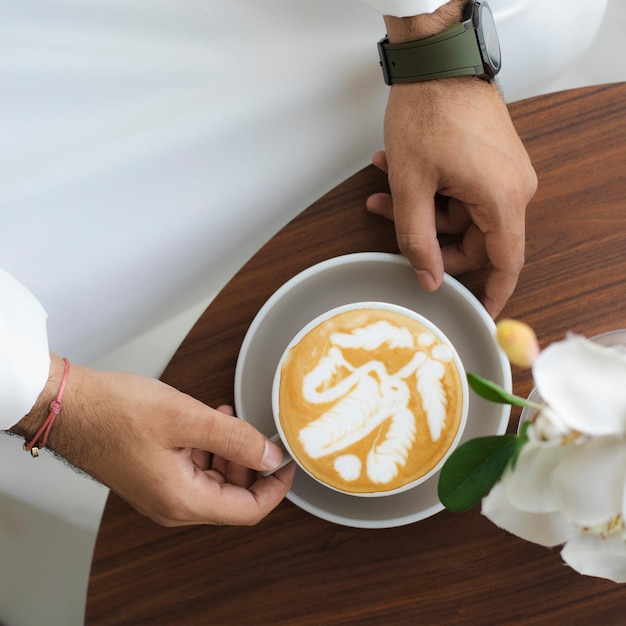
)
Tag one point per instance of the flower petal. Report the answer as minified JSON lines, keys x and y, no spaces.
{"x":548,"y":428}
{"x":546,"y":529}
{"x":585,"y":383}
{"x":593,"y":555}
{"x":528,"y":487}
{"x":589,"y":482}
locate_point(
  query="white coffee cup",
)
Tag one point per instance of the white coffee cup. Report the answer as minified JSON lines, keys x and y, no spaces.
{"x":392,"y":411}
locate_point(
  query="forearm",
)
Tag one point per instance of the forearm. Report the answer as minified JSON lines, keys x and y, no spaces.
{"x":400,"y":29}
{"x":403,"y":8}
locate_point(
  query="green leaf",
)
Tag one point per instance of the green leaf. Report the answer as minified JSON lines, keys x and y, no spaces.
{"x":492,"y":392}
{"x":474,"y":468}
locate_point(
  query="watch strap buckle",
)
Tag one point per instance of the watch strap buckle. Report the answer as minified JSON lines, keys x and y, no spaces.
{"x":383,"y":60}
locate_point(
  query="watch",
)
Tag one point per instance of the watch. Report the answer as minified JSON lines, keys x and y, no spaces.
{"x":467,"y":48}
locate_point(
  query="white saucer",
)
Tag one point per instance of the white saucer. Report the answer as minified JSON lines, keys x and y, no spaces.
{"x":360,"y":277}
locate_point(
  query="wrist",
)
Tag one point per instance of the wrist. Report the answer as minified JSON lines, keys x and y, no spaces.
{"x":30,"y":423}
{"x":404,"y":29}
{"x":40,"y":427}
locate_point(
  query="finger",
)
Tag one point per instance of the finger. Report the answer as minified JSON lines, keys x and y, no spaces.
{"x":452,"y":216}
{"x":241,"y":476}
{"x":201,"y":458}
{"x":466,"y":255}
{"x":505,"y":247}
{"x":470,"y":254}
{"x":209,"y":499}
{"x":379,"y":159}
{"x":416,"y":231}
{"x":380,"y":204}
{"x":504,"y":274}
{"x":234,"y":473}
{"x":218,"y":463}
{"x":216,"y":475}
{"x":244,"y":507}
{"x":226,"y":436}
{"x":499,"y":287}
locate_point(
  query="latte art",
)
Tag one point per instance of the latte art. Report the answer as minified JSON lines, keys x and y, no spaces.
{"x":369,"y":400}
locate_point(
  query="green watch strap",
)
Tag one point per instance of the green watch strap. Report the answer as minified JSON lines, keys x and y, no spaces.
{"x":452,"y":52}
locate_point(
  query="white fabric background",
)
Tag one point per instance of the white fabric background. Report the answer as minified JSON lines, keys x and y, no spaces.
{"x":149,"y":146}
{"x":145,"y":143}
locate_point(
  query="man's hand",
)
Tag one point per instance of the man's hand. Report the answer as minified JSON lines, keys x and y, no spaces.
{"x":455,"y":138}
{"x":456,"y":166}
{"x":171,"y":457}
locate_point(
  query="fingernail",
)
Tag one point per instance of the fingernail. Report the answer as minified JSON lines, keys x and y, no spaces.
{"x":272,"y":456}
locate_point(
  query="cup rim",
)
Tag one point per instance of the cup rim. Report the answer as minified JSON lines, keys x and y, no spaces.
{"x":373,"y":304}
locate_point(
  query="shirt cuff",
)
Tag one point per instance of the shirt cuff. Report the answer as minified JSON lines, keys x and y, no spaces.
{"x":25,"y":357}
{"x":405,"y":8}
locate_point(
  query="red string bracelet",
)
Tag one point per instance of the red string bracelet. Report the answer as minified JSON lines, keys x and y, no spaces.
{"x":55,"y":409}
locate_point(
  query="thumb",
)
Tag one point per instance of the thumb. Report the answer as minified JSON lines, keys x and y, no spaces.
{"x":416,"y":232}
{"x":235,"y":440}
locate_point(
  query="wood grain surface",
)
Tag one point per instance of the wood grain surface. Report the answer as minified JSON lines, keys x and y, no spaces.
{"x":294,"y":568}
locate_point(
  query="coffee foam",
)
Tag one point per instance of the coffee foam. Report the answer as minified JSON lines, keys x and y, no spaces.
{"x":370,"y":400}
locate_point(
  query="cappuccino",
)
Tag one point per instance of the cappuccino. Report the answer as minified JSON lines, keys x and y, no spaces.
{"x":370,"y":399}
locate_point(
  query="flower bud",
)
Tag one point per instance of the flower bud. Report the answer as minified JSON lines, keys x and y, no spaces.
{"x":519,"y":342}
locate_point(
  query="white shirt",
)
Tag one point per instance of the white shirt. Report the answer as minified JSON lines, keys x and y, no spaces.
{"x":24,"y":362}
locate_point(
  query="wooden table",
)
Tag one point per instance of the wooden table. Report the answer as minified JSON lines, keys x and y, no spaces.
{"x":295,"y":568}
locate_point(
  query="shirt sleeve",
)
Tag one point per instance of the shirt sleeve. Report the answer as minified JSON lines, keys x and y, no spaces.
{"x":24,"y":353}
{"x":405,"y":8}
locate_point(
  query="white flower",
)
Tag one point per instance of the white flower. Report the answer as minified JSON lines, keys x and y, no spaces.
{"x":569,"y":483}
{"x":585,"y":384}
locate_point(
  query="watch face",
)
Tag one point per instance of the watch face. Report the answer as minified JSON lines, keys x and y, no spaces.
{"x":488,"y":37}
